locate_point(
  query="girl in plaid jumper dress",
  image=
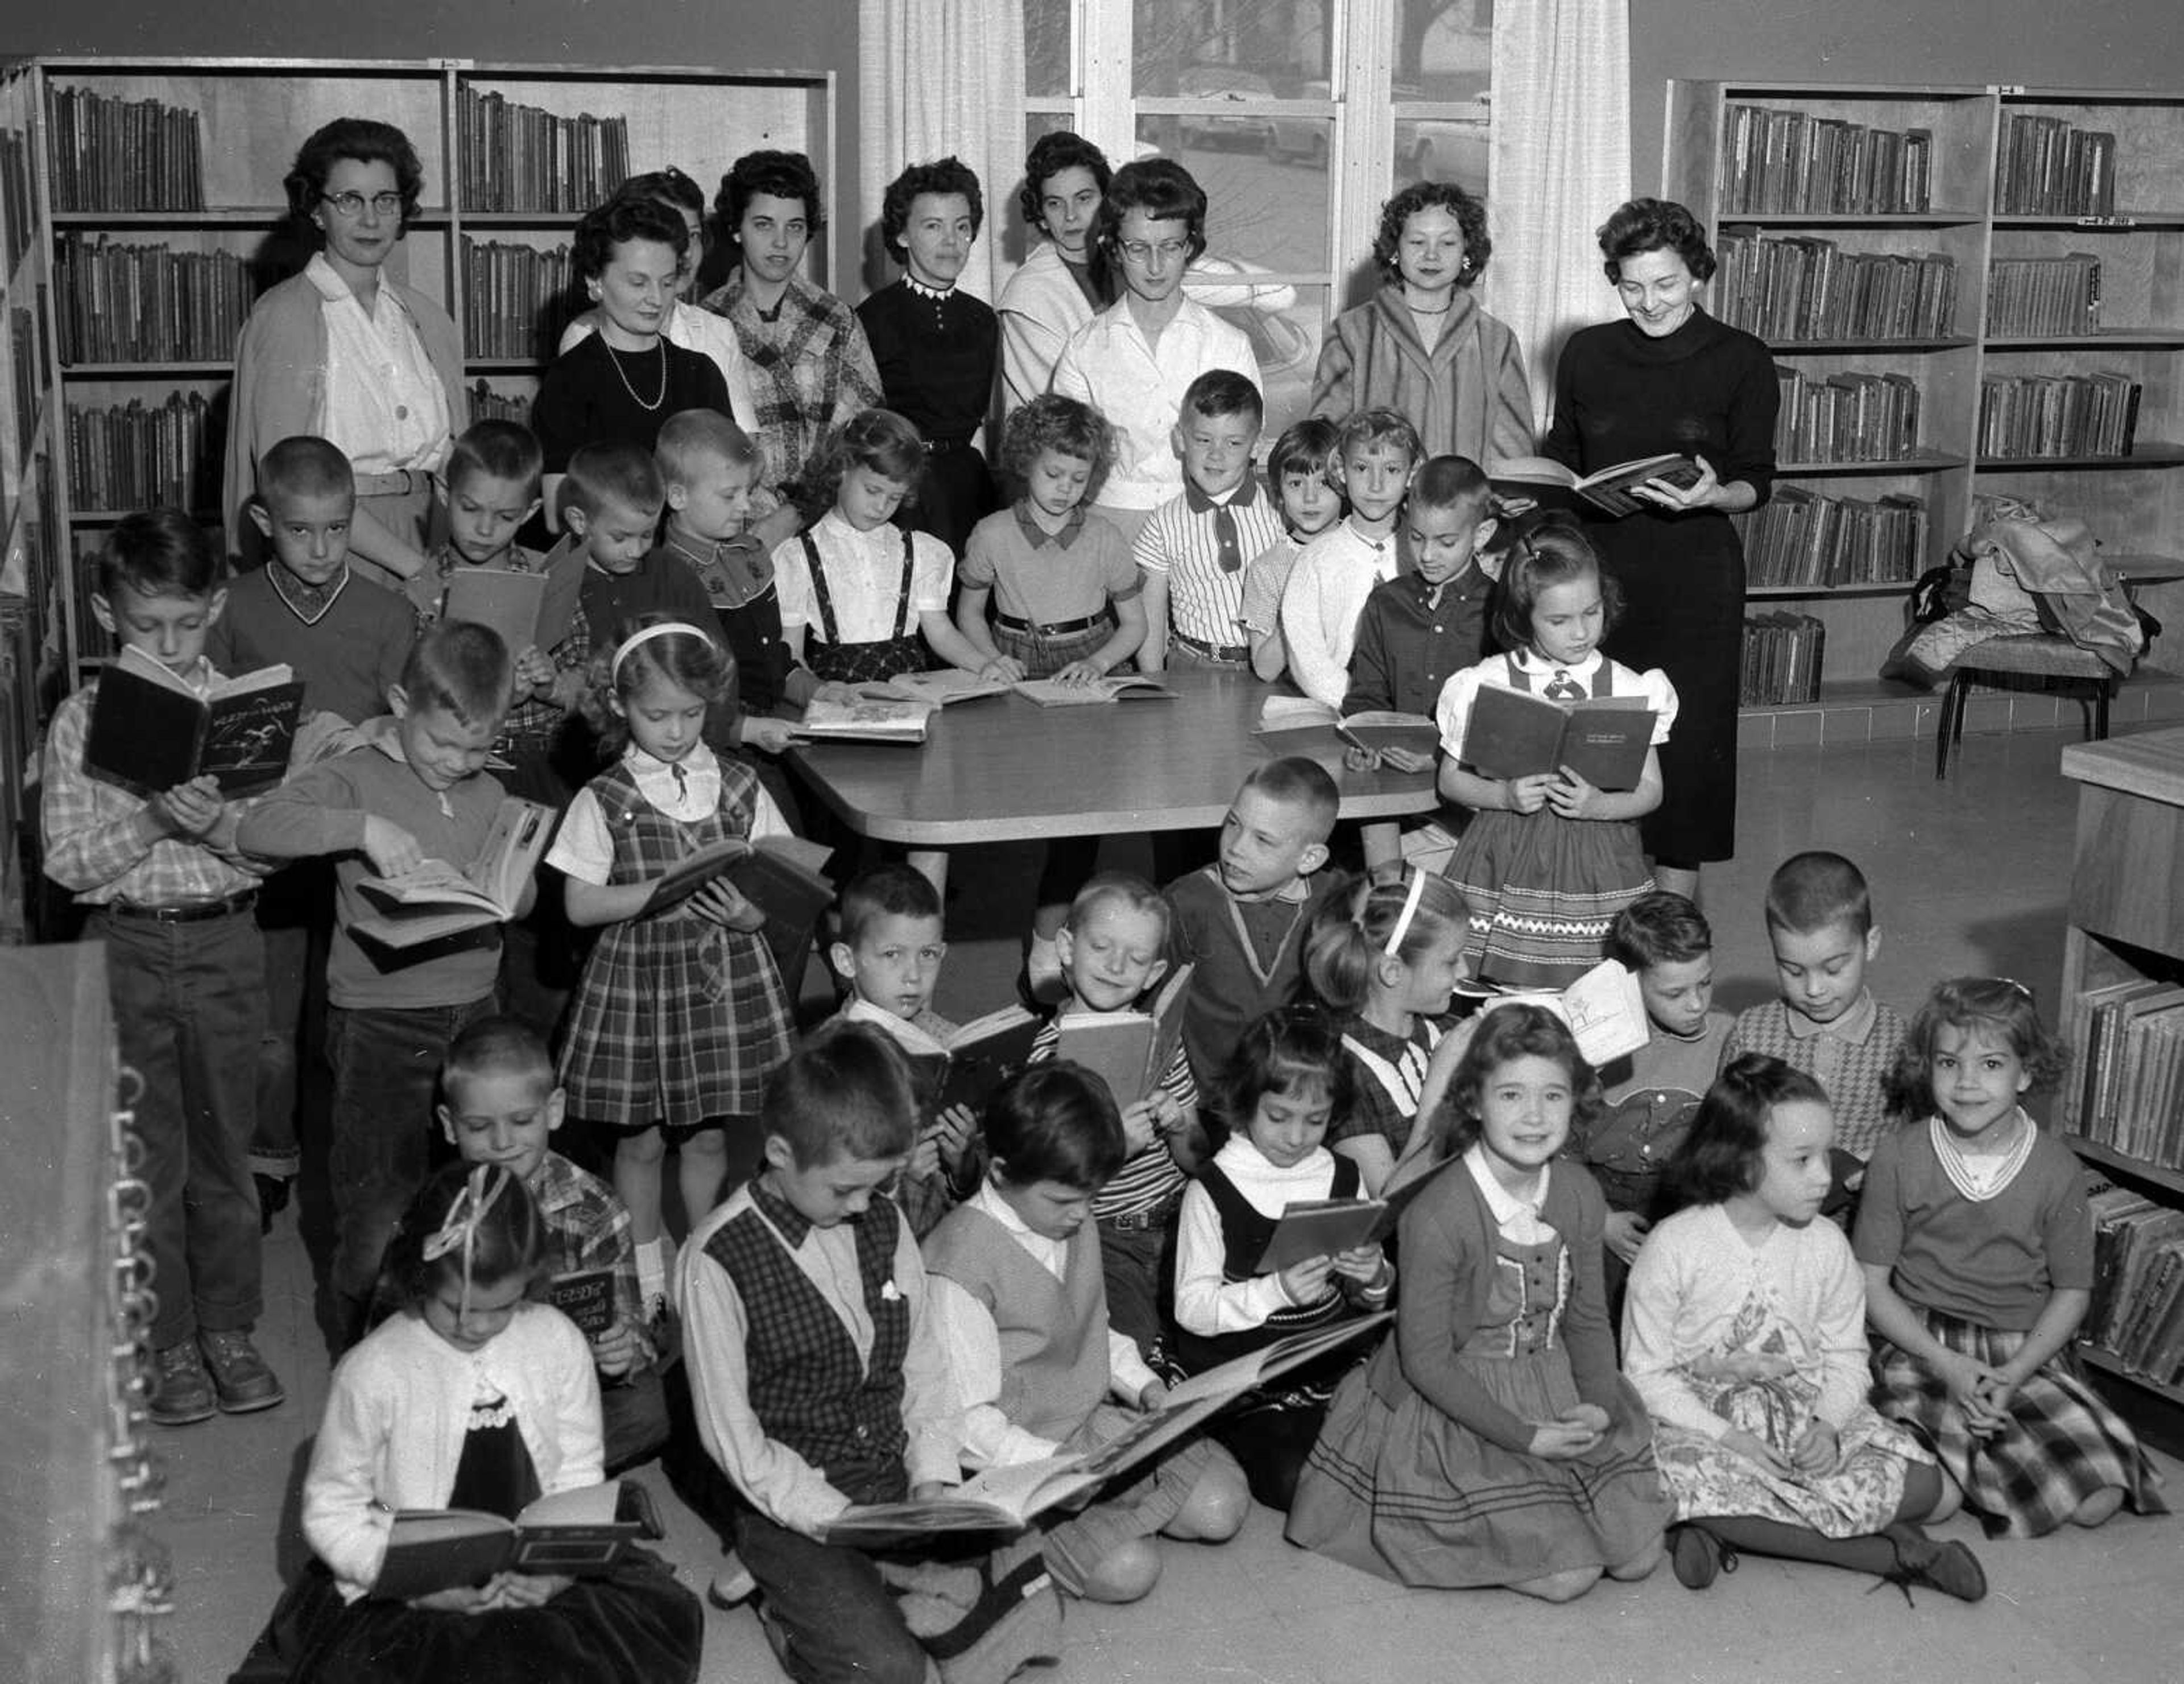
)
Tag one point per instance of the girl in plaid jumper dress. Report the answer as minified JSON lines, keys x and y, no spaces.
{"x":680,"y":1015}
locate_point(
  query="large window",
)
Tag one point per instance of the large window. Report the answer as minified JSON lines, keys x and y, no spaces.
{"x":1298,"y":117}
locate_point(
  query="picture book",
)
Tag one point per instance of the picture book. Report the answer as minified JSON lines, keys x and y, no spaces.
{"x":1513,"y":733}
{"x":436,"y":900}
{"x":869,"y":717}
{"x":576,"y":1532}
{"x":587,"y":1297}
{"x":1608,"y":490}
{"x":1008,"y":1499}
{"x":1605,"y":1011}
{"x":1129,"y":1050}
{"x":149,"y":731}
{"x":1123,"y":687}
{"x":1372,"y":729}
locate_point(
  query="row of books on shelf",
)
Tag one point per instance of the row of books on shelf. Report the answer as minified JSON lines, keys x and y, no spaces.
{"x":22,"y":382}
{"x":2058,"y":414}
{"x":111,"y":153}
{"x":2044,"y":166}
{"x":1810,"y":538}
{"x":489,"y":403}
{"x":2127,"y":1046}
{"x":1783,"y":160}
{"x":140,"y":455}
{"x":1845,"y":417}
{"x":19,"y":203}
{"x":516,"y":298}
{"x":125,"y":304}
{"x":2029,"y":295}
{"x":521,"y":158}
{"x":1800,"y":287}
{"x":1782,"y":655}
{"x":2137,"y":1309}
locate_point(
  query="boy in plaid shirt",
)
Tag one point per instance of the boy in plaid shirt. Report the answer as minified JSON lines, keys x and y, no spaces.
{"x":171,"y":896}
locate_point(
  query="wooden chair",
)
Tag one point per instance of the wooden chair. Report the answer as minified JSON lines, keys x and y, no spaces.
{"x":2060,"y":664}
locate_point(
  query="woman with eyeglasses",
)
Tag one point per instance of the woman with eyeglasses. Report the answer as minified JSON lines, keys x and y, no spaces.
{"x":345,"y":352}
{"x":1133,"y":361}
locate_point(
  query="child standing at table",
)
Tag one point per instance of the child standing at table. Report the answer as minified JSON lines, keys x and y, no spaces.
{"x":1547,"y":861}
{"x":1977,"y":1244}
{"x":1376,"y":450}
{"x":1288,"y":1083}
{"x":680,"y":1015}
{"x":1193,"y":550}
{"x":1298,"y":474}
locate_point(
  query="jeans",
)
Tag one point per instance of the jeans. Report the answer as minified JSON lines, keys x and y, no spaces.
{"x":828,"y":1613}
{"x":189,"y":1012}
{"x":295,"y":911}
{"x":387,"y":1065}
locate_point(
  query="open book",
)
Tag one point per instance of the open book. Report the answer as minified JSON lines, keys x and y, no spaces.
{"x":1605,"y":1011}
{"x":435,"y":900}
{"x":781,"y":876}
{"x":1608,"y":489}
{"x":1008,"y":1499}
{"x":576,"y":1532}
{"x":1129,"y":1050}
{"x":948,"y":684}
{"x":1372,"y":730}
{"x":1513,"y":733}
{"x":984,"y":1053}
{"x":150,"y":731}
{"x":1124,"y":687}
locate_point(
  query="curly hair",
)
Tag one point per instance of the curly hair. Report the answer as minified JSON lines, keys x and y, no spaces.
{"x":366,"y":140}
{"x":1505,"y":1034}
{"x":688,"y":659}
{"x":1470,"y":216}
{"x":1546,"y":550}
{"x":1161,"y":188}
{"x":1994,"y":1009}
{"x":1049,"y":155}
{"x":603,"y":227}
{"x":777,"y":175}
{"x":878,"y":439}
{"x":1653,"y":224}
{"x":1053,"y":422}
{"x":943,"y":176}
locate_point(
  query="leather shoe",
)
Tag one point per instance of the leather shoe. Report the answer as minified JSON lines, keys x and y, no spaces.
{"x":240,"y":1377}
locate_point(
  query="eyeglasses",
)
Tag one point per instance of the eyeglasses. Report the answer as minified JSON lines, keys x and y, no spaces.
{"x":1140,"y":251}
{"x":352,"y":204}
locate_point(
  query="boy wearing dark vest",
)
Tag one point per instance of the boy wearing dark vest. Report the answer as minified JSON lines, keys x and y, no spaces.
{"x":1019,"y":1298}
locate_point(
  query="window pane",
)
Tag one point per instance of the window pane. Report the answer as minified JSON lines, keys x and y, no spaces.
{"x":1283,"y":324}
{"x":1444,"y":49}
{"x":1257,"y":48}
{"x":1263,"y":210}
{"x":1445,"y":149}
{"x":1046,"y":47}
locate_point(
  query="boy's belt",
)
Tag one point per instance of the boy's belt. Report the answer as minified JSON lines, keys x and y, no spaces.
{"x":1057,"y":628}
{"x":1140,"y":1221}
{"x":1234,"y":652}
{"x":188,"y":911}
{"x":399,"y":484}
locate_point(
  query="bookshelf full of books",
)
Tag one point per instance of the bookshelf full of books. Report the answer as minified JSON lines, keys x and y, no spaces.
{"x":1968,"y":290}
{"x":167,"y":221}
{"x":2121,"y":1103}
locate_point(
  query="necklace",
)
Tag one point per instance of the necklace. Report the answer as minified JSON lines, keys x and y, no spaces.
{"x":1415,"y":309}
{"x":615,"y":357}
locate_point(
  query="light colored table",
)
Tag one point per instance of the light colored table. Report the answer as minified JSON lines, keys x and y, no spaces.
{"x":1003,"y":769}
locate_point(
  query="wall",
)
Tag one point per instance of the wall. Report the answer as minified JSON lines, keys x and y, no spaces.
{"x":2090,"y":43}
{"x":808,"y":35}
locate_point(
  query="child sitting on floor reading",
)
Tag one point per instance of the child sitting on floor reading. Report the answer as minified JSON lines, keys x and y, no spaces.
{"x":1020,"y":1306}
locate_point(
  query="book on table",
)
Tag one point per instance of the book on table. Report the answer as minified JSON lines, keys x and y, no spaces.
{"x":948,"y":684}
{"x":576,"y":1532}
{"x":1372,"y":730}
{"x":1513,"y":734}
{"x":1607,"y":489}
{"x":149,"y":731}
{"x":436,"y":900}
{"x":1010,"y":1498}
{"x":1121,"y":687}
{"x":1130,"y":1051}
{"x":867,"y":716}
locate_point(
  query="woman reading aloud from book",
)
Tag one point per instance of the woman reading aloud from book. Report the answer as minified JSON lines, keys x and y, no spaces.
{"x":346,"y":353}
{"x":1672,"y":378}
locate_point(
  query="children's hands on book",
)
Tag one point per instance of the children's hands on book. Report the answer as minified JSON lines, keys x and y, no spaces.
{"x":461,"y":1598}
{"x":1303,"y":1282}
{"x":1624,"y":1233}
{"x":1571,"y":796}
{"x":834,"y":690}
{"x":930,"y":1491}
{"x":1528,"y":795}
{"x":1360,"y":1263}
{"x":767,"y":734}
{"x":527,"y":1589}
{"x":1009,"y":670}
{"x":535,"y":672}
{"x":722,"y":902}
{"x":1154,"y":1395}
{"x":951,"y":1132}
{"x":1078,"y":672}
{"x":1703,"y":493}
{"x":1139,"y":1127}
{"x":190,"y":809}
{"x":617,"y":1351}
{"x":392,"y":850}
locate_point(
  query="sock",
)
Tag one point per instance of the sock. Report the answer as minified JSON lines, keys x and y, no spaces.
{"x":1755,"y":1535}
{"x":652,"y":1270}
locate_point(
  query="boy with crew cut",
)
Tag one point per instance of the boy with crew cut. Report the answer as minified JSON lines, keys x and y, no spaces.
{"x":816,"y":1372}
{"x":1375,"y":452}
{"x":1826,"y":1022}
{"x":1193,"y":549}
{"x":416,"y":790}
{"x":170,"y":894}
{"x":1242,"y":920}
{"x":499,"y":1104}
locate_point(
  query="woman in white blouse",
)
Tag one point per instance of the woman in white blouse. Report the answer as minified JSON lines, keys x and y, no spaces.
{"x":347,"y":353}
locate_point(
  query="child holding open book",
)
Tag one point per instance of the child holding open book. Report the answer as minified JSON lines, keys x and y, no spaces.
{"x":680,"y":1015}
{"x":1549,"y":859}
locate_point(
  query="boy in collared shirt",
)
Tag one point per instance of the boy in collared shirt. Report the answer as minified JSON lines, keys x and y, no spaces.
{"x":170,"y":894}
{"x":1193,"y":550}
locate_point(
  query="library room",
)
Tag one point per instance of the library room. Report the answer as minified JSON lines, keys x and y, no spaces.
{"x":535,"y":548}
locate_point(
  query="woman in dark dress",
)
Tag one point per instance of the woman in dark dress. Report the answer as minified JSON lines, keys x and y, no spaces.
{"x":1672,"y":378}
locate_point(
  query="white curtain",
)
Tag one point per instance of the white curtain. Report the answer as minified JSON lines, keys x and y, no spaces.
{"x":936,"y":77}
{"x":1561,"y":162}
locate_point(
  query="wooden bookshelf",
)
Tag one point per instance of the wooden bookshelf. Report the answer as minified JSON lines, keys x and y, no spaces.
{"x":251,"y":115}
{"x":2132,"y":502}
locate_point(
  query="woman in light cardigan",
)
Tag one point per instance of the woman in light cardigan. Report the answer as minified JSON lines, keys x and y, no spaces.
{"x":1422,"y":346}
{"x":345,"y":352}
